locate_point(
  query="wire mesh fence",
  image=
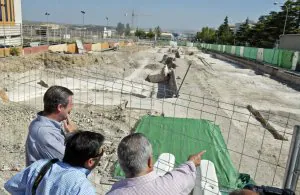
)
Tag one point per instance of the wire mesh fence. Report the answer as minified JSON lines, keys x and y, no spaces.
{"x":57,"y":34}
{"x":113,"y":106}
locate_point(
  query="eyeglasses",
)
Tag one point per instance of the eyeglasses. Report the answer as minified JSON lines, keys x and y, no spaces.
{"x":100,"y":154}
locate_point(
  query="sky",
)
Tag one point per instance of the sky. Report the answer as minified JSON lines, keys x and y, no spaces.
{"x":168,"y":14}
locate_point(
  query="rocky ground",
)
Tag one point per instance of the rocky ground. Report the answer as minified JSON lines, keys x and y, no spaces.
{"x":111,"y":95}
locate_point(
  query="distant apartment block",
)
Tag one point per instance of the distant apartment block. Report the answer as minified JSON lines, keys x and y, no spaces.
{"x":10,"y":23}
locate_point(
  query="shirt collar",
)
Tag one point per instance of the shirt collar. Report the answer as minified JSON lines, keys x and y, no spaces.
{"x":46,"y":119}
{"x":81,"y":169}
{"x":137,"y":180}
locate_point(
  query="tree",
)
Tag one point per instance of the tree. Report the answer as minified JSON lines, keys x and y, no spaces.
{"x":157,"y":31}
{"x":120,"y":29}
{"x":150,"y":34}
{"x":127,"y":30}
{"x":268,"y":28}
{"x":243,"y":34}
{"x":225,"y":34}
{"x":207,"y":35}
{"x":140,"y":33}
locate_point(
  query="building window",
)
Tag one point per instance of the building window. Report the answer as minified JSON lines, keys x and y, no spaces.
{"x":7,"y":12}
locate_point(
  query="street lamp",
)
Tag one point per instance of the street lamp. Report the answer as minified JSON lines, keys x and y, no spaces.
{"x":106,"y":21}
{"x":83,"y":13}
{"x":47,"y":14}
{"x":286,"y":16}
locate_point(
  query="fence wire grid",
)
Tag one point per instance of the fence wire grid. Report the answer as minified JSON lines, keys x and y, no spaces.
{"x":112,"y":106}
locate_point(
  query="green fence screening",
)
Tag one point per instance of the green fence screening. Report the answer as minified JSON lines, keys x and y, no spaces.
{"x":182,"y":137}
{"x":228,"y":49}
{"x":237,"y":50}
{"x":271,"y":56}
{"x":276,"y":57}
{"x":250,"y":53}
{"x":286,"y":59}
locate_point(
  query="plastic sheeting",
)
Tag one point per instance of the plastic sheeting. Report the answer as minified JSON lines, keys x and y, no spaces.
{"x":277,"y":57}
{"x":182,"y":137}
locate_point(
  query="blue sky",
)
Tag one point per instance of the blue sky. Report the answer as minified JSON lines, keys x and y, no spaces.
{"x":169,"y":14}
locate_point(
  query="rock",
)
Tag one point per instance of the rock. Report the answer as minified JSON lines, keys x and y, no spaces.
{"x":177,"y":55}
{"x":43,"y":84}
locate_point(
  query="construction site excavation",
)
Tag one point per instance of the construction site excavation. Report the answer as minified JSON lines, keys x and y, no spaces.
{"x":184,"y":99}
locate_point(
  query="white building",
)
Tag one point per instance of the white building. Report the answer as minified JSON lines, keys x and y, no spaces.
{"x":10,"y":22}
{"x":107,"y":33}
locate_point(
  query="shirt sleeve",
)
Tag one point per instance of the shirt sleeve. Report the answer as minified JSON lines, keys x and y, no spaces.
{"x":19,"y":184}
{"x":183,"y":178}
{"x":51,"y":146}
{"x":85,"y":188}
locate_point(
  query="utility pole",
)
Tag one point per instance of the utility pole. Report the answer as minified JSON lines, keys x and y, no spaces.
{"x":106,"y":21}
{"x":286,"y":16}
{"x":47,"y":14}
{"x":83,"y":13}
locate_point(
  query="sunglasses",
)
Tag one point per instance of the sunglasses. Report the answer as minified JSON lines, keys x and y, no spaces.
{"x":100,"y":154}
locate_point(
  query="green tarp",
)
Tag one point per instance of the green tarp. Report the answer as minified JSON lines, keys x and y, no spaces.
{"x":183,"y":137}
{"x":250,"y":53}
{"x":237,"y":50}
{"x":287,"y":59}
{"x":278,"y":57}
{"x":228,"y":49}
{"x":271,"y":56}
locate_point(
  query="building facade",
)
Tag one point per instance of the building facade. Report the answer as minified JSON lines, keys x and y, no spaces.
{"x":10,"y":23}
{"x":290,"y":42}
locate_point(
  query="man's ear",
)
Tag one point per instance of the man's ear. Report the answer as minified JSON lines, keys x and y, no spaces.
{"x":60,"y":107}
{"x":150,"y":162}
{"x":89,"y":163}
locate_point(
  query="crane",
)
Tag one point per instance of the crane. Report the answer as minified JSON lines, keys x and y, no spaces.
{"x":134,"y":17}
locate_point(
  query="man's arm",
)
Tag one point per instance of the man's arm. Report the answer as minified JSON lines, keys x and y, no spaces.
{"x":183,"y":178}
{"x":51,"y":146}
{"x":20,"y":184}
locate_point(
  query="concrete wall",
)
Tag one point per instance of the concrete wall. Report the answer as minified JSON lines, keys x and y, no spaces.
{"x":242,"y":51}
{"x":87,"y":47}
{"x":104,"y":45}
{"x":260,"y":55}
{"x":34,"y":50}
{"x":233,"y":50}
{"x":59,"y":48}
{"x":72,"y":48}
{"x":96,"y":47}
{"x":290,"y":42}
{"x":8,"y":30}
{"x":18,"y":11}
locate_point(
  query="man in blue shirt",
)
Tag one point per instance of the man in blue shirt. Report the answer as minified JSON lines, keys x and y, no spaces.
{"x":46,"y":136}
{"x":83,"y":152}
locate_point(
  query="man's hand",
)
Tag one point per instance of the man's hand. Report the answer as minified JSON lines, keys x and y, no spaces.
{"x":196,"y":158}
{"x":69,"y":125}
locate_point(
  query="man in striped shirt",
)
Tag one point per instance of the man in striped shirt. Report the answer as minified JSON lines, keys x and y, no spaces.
{"x":135,"y":158}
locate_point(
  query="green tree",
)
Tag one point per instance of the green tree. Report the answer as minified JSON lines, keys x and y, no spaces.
{"x":243,"y":34}
{"x":140,"y":33}
{"x":120,"y":28}
{"x":157,"y":31}
{"x":268,"y":28}
{"x":150,"y":34}
{"x":225,"y":34}
{"x":127,"y":30}
{"x":207,"y":35}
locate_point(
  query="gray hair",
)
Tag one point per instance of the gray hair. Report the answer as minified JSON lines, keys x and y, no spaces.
{"x":134,"y":152}
{"x":54,"y":96}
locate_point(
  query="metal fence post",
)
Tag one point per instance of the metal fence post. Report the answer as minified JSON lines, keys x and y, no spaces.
{"x":293,"y":164}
